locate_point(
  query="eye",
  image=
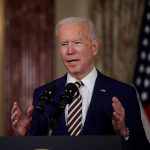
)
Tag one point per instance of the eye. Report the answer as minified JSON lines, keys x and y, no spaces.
{"x":77,"y":42}
{"x":63,"y":44}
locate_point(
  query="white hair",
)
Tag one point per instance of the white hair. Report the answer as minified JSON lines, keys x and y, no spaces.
{"x":69,"y":20}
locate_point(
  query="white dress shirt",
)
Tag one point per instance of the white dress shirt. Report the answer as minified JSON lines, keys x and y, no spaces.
{"x":86,"y":92}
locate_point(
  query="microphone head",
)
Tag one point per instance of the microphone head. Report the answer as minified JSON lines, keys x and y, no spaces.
{"x":46,"y":97}
{"x":67,"y":94}
{"x":48,"y":94}
{"x":70,"y":90}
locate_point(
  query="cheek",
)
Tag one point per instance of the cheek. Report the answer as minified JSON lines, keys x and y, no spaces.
{"x":62,"y":54}
{"x":87,"y":57}
{"x":89,"y":53}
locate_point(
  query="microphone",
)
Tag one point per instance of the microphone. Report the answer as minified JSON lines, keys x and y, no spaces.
{"x":65,"y":98}
{"x":46,"y":97}
{"x":67,"y":95}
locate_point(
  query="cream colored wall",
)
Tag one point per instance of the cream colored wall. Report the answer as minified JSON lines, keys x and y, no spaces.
{"x":67,"y":8}
{"x":1,"y":67}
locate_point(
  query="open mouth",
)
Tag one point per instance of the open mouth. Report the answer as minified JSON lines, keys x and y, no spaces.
{"x":72,"y":61}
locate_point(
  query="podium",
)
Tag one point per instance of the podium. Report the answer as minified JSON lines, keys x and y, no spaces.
{"x":61,"y":143}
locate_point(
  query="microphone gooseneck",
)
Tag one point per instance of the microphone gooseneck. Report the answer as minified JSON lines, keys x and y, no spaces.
{"x":65,"y":98}
{"x":45,"y":99}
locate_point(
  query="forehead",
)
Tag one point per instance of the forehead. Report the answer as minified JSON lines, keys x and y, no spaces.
{"x":72,"y":30}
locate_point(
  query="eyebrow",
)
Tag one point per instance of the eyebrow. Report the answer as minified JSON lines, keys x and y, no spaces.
{"x":64,"y":41}
{"x":76,"y":40}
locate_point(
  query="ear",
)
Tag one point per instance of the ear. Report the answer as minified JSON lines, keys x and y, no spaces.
{"x":95,"y":46}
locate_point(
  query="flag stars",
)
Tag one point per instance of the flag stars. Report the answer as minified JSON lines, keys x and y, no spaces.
{"x":141,"y":68}
{"x":144,"y":96}
{"x":146,"y":83}
{"x":142,"y":74}
{"x":138,"y":81}
{"x":143,"y":55}
{"x":148,"y":70}
{"x":147,"y":29}
{"x":148,"y":16}
{"x":145,"y":42}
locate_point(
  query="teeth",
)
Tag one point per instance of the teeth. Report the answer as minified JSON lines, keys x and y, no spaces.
{"x":72,"y":61}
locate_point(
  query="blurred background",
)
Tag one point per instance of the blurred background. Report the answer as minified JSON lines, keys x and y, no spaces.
{"x":29,"y":58}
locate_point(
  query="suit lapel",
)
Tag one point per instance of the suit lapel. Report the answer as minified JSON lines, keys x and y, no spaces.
{"x":100,"y":93}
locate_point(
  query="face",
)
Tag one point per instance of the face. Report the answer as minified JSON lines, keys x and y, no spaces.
{"x":77,"y":49}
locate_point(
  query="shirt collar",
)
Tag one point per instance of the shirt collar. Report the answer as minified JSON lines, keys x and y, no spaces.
{"x":88,"y":81}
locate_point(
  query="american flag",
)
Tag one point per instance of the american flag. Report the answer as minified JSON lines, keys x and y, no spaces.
{"x":142,"y":70}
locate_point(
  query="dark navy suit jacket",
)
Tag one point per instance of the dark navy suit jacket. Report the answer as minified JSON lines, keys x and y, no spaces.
{"x":99,"y":116}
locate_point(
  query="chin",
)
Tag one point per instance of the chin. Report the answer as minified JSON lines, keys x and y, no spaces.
{"x":73,"y":72}
{"x":73,"y":69}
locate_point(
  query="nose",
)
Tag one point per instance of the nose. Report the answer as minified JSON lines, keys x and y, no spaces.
{"x":70,"y":49}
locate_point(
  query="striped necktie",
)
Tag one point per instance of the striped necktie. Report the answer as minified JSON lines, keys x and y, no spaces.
{"x":75,"y":113}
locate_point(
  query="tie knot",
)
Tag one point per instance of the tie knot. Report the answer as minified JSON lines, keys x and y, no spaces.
{"x":78,"y":84}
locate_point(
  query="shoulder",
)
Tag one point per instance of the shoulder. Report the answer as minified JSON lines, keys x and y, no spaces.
{"x":114,"y":84}
{"x":126,"y":93}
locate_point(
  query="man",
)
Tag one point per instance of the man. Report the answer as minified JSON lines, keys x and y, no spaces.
{"x":108,"y":106}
